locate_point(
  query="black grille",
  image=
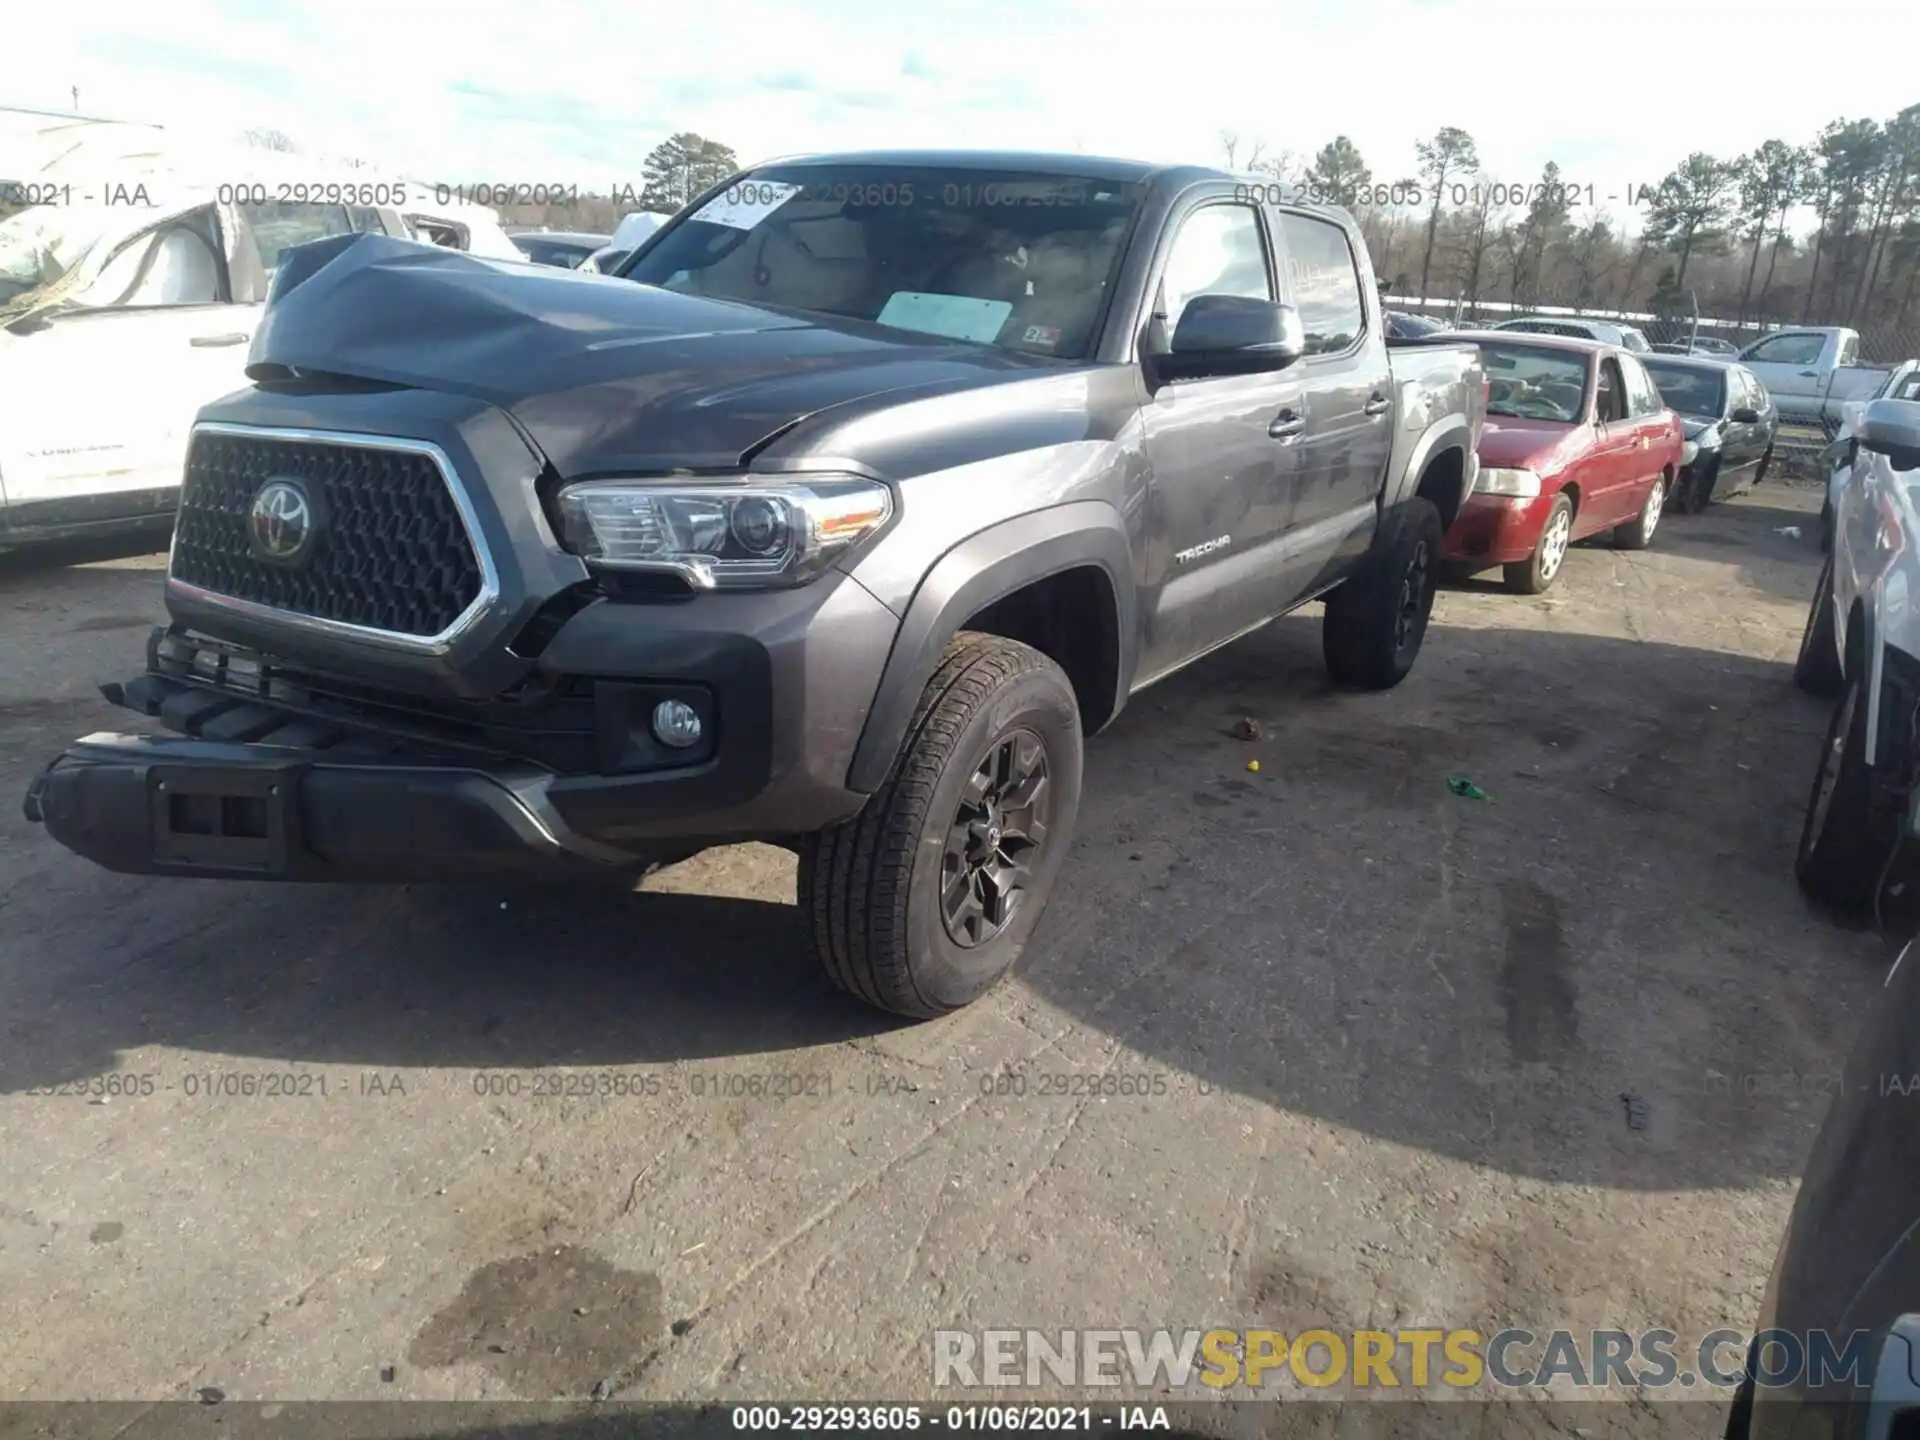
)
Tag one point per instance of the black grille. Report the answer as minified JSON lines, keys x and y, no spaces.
{"x":392,"y":553}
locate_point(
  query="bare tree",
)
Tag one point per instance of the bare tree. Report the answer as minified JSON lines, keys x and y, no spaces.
{"x":1451,"y":152}
{"x":264,"y":138}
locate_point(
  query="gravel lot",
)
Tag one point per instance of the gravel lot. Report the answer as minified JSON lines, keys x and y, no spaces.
{"x":1385,"y":1033}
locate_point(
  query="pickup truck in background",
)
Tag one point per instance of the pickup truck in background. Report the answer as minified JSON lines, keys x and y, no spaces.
{"x":1812,"y":371}
{"x":892,"y":477}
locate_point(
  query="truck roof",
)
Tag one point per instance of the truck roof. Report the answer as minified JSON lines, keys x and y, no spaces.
{"x":1042,"y":162}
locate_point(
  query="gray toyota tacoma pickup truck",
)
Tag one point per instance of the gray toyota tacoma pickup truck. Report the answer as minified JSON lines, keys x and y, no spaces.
{"x":866,"y":488}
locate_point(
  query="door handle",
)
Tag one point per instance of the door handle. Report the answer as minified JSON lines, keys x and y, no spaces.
{"x":232,"y":337}
{"x":1377,"y":405}
{"x":1287,"y":425}
{"x":1809,"y":374}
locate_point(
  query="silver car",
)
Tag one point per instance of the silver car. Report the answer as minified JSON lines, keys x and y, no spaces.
{"x":1605,"y":331}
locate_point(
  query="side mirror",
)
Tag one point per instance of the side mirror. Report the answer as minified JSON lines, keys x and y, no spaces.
{"x":1232,"y":335}
{"x":1745,"y":415}
{"x":607,"y":264}
{"x":1892,"y":428}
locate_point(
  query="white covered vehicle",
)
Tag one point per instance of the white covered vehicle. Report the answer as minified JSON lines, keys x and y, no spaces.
{"x":1861,"y":647}
{"x":627,"y":237}
{"x":130,"y":288}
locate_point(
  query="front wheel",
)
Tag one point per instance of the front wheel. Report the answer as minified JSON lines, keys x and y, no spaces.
{"x":1377,"y":619}
{"x":926,"y":898}
{"x":1847,"y":838}
{"x":1637,"y":533}
{"x":1766,"y":462}
{"x":1696,"y":491}
{"x":1816,"y":669}
{"x":1536,"y":574}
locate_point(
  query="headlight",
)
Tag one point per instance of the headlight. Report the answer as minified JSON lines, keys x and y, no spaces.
{"x":755,"y":533}
{"x":1688,"y":451}
{"x":1521,"y":484}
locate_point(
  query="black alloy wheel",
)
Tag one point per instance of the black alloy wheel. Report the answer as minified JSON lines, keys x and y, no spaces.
{"x":1416,"y":599}
{"x":995,"y":840}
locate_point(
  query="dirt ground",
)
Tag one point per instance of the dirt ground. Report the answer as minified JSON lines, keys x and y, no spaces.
{"x":1384,"y":1034}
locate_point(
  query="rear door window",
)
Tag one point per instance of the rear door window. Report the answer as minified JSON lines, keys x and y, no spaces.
{"x":1610,"y":400}
{"x":1643,"y":396}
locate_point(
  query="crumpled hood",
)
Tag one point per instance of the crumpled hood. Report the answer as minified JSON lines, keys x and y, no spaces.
{"x":605,"y":374}
{"x":1692,"y":427}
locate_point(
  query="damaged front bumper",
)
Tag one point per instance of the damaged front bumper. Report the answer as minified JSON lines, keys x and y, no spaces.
{"x":167,"y":805}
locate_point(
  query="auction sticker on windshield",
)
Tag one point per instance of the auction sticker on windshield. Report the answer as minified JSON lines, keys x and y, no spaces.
{"x":743,"y":206}
{"x":960,"y":317}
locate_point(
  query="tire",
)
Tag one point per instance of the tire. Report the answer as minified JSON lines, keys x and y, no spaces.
{"x":1848,"y":835}
{"x":1375,"y":622}
{"x":1696,"y":491}
{"x":1826,"y":529}
{"x":1740,"y":1413}
{"x":1535,"y":574}
{"x":871,"y":887}
{"x":1637,"y":533}
{"x":1817,"y":669}
{"x":1766,"y":464}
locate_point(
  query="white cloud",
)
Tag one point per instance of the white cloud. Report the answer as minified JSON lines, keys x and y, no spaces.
{"x":578,"y":92}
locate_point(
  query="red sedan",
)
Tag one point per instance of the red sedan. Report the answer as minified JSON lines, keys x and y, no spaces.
{"x":1577,"y":441}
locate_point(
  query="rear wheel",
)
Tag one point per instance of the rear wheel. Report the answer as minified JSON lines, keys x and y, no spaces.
{"x":1637,"y":533}
{"x":1376,"y":621}
{"x":1536,"y":574}
{"x":1816,"y":669}
{"x":926,"y":898}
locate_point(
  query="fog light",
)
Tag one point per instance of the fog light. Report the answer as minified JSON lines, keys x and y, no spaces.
{"x":676,"y":723}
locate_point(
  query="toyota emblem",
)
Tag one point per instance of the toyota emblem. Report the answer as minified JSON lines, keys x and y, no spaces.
{"x":282,"y":522}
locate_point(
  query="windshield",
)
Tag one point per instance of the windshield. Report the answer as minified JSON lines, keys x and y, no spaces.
{"x":1689,"y":389}
{"x":45,"y":250}
{"x":1524,"y":383}
{"x":1021,"y":261}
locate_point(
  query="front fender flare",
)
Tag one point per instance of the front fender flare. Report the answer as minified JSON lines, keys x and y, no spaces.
{"x":973,"y":574}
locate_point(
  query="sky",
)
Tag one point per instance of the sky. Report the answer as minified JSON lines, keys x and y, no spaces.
{"x":577,"y":92}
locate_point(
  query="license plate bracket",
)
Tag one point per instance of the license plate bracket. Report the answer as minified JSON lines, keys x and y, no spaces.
{"x":225,"y":817}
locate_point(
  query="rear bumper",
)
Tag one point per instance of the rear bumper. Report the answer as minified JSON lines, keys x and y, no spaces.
{"x":178,"y":806}
{"x":1497,"y":529}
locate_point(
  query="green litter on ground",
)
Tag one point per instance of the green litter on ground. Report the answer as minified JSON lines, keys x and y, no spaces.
{"x":1466,"y":789}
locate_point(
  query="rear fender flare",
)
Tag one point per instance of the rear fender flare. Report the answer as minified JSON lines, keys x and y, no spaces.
{"x":965,"y":580}
{"x":1455,"y":432}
